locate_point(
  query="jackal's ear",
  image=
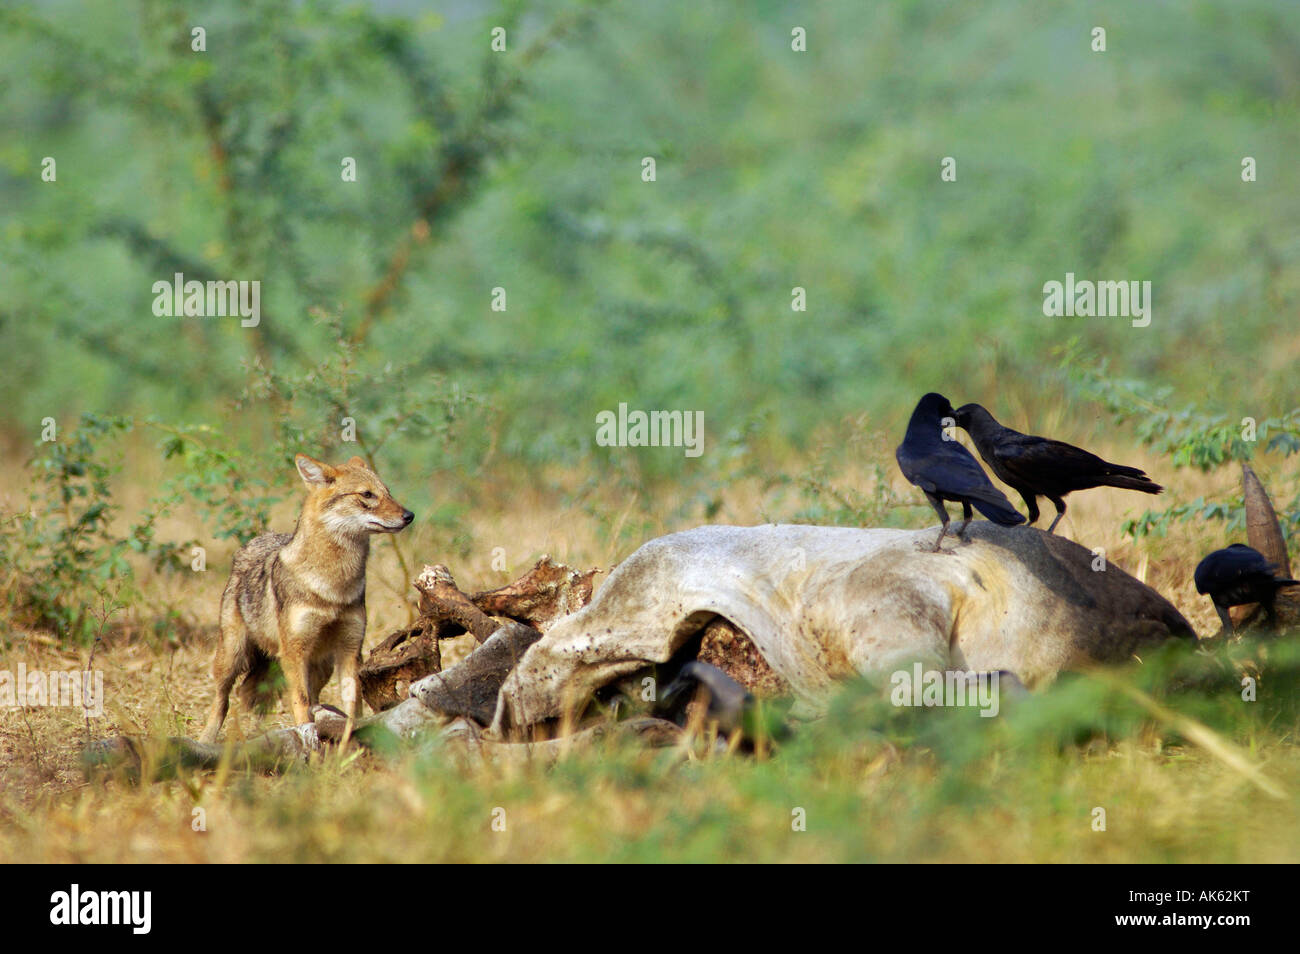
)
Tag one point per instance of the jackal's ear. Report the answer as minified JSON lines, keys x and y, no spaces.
{"x":359,"y":462}
{"x":314,"y":471}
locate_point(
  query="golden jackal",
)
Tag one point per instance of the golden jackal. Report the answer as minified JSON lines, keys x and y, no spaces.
{"x":302,"y":596}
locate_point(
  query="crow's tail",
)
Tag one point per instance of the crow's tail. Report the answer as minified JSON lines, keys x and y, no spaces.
{"x":1130,"y":481}
{"x":999,"y":511}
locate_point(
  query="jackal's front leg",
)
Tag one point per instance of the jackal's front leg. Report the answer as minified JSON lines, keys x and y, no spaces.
{"x":295,"y":656}
{"x":352,"y":634}
{"x":349,"y":689}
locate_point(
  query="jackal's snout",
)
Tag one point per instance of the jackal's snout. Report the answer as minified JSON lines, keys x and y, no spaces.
{"x":389,"y":517}
{"x":401,"y":523}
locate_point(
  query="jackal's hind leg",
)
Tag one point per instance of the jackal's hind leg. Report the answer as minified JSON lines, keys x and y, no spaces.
{"x":319,"y":672}
{"x":228,"y":665}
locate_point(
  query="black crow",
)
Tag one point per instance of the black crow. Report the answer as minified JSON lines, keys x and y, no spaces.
{"x":945,"y":470}
{"x":1037,"y":466}
{"x":1237,"y":575}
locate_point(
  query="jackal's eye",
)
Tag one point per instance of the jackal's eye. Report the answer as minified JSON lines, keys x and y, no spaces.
{"x":367,"y":495}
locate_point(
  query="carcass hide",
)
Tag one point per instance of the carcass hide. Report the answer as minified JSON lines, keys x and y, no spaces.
{"x":825,"y":603}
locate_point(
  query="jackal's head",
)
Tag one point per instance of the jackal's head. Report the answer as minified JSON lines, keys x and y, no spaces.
{"x":349,"y":500}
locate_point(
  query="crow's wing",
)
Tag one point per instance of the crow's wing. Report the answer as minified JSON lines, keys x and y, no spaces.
{"x":1031,"y":460}
{"x":1229,"y":568}
{"x":946,"y":468}
{"x":913,"y":466}
{"x":1211,"y":574}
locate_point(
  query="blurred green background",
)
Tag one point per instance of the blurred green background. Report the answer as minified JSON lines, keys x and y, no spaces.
{"x":522,"y":169}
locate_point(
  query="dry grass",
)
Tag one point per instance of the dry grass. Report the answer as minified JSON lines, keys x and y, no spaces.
{"x":865,"y":799}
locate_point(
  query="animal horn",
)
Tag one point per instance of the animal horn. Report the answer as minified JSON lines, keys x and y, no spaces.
{"x":1262,"y":528}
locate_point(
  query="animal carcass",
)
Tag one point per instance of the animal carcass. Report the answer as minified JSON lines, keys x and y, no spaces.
{"x":826,"y":603}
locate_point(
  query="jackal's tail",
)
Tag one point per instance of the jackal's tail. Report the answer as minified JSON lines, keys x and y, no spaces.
{"x":260,"y":687}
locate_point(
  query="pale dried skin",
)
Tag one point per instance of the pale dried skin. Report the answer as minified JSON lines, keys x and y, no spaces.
{"x":470,"y":739}
{"x":826,"y":603}
{"x":272,"y":751}
{"x":278,"y":749}
{"x":470,"y":687}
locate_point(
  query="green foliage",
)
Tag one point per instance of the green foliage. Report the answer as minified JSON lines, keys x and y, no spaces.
{"x":69,"y":544}
{"x":63,"y":548}
{"x":885,"y":783}
{"x":827,"y":501}
{"x":1189,"y":437}
{"x":522,"y":170}
{"x":233,"y":490}
{"x":344,"y":399}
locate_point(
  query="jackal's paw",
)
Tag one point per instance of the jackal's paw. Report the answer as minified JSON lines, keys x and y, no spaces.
{"x":310,"y":737}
